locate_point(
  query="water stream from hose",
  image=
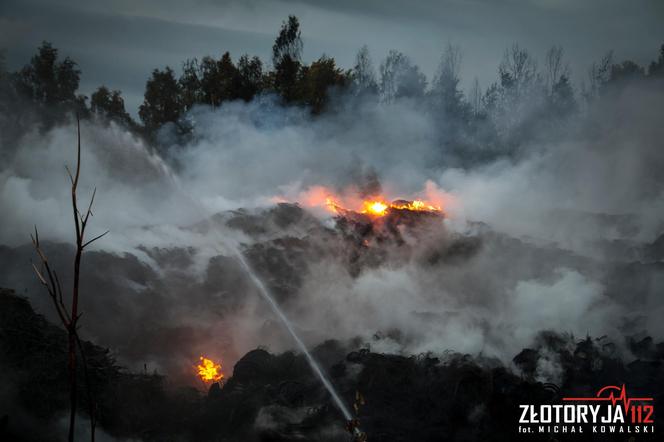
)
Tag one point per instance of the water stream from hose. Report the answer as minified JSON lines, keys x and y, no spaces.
{"x":265,"y":293}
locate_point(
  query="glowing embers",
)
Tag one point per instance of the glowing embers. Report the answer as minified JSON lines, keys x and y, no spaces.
{"x":209,"y":371}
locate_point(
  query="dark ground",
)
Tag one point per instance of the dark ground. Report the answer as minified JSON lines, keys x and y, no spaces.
{"x":275,"y":397}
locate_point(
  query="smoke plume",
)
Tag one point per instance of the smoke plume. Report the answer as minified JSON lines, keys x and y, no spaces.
{"x":537,"y":240}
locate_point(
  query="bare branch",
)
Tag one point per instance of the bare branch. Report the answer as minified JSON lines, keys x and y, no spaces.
{"x":94,"y":239}
{"x":71,"y":177}
{"x":65,"y":313}
{"x":39,"y":275}
{"x":89,"y":211}
{"x":36,"y":237}
{"x":78,"y":150}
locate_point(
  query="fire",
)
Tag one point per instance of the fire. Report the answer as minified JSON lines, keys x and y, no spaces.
{"x":417,"y":205}
{"x":377,"y":208}
{"x":332,"y":205}
{"x":209,"y":371}
{"x":431,"y":200}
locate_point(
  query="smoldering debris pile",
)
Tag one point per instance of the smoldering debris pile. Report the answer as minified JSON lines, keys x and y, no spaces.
{"x":357,"y":241}
{"x":274,"y":397}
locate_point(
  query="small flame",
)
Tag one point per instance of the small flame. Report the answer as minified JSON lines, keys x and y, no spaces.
{"x":417,"y":205}
{"x":209,"y":371}
{"x":332,"y":205}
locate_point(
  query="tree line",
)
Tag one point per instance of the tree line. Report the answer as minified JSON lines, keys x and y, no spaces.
{"x":507,"y":111}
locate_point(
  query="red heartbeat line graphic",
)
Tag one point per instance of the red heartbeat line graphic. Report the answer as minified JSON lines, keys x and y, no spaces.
{"x":611,"y":397}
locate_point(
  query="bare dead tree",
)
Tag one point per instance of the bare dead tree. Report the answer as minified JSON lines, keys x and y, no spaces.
{"x":518,"y":69}
{"x":70,"y":316}
{"x":364,"y":76}
{"x":554,"y":68}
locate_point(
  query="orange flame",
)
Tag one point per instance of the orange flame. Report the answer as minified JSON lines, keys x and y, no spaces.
{"x":379,"y":207}
{"x":416,"y":205}
{"x":209,"y":371}
{"x":376,"y":206}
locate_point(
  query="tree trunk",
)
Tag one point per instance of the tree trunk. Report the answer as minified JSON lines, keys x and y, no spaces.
{"x":72,"y":384}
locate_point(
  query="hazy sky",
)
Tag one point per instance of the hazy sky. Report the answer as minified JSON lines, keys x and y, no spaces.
{"x":118,"y":43}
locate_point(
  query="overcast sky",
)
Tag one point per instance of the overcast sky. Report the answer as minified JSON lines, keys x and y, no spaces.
{"x":118,"y":42}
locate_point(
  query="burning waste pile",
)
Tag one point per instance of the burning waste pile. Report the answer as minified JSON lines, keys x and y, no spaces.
{"x":366,"y":218}
{"x":379,"y":219}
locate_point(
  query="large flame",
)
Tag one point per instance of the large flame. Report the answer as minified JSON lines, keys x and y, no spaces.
{"x":431,"y":199}
{"x":377,"y":207}
{"x":209,"y":371}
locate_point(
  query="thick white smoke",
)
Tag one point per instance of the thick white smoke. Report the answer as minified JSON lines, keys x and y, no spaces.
{"x":571,"y":200}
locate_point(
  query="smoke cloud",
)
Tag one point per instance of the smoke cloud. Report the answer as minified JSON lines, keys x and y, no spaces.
{"x":532,"y":242}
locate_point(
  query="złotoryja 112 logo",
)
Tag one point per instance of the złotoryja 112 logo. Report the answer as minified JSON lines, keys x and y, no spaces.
{"x":611,"y":410}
